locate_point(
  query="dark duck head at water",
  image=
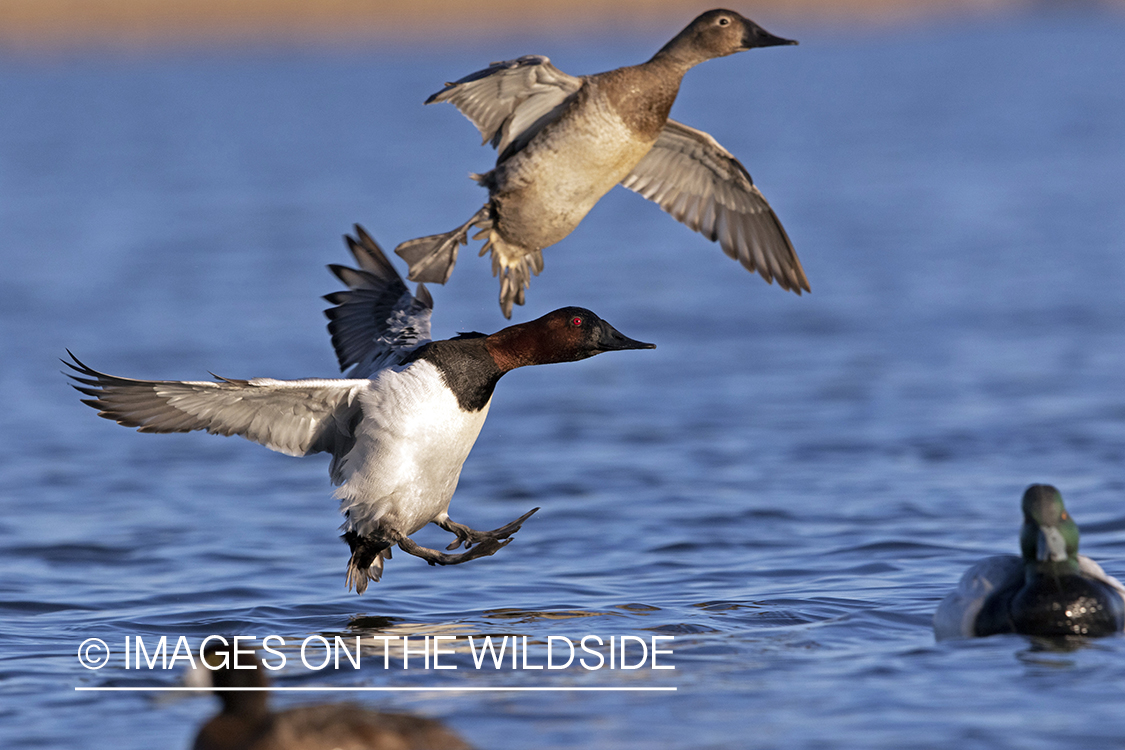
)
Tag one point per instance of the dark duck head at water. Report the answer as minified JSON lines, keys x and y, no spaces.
{"x":565,"y":141}
{"x":1049,"y":590}
{"x":247,"y":723}
{"x":398,"y":428}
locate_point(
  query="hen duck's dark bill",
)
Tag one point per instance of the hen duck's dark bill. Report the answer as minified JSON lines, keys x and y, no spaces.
{"x":765,"y":39}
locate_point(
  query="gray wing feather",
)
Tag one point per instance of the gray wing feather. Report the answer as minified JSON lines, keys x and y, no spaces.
{"x":689,"y":175}
{"x":510,"y":101}
{"x":377,"y":321}
{"x":957,"y":614}
{"x":296,"y":417}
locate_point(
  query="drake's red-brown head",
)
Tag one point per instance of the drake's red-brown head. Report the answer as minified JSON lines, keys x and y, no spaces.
{"x":565,"y":335}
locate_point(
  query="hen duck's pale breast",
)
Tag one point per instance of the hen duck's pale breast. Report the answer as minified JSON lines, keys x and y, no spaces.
{"x":545,"y":190}
{"x":409,"y":450}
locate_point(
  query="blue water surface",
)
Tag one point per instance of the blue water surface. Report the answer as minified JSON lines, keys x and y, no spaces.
{"x":786,"y":485}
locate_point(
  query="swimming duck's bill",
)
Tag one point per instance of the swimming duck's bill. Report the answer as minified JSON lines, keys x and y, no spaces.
{"x":1050,"y":545}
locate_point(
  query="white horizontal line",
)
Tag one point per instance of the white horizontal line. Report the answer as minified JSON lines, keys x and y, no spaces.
{"x":375,"y":689}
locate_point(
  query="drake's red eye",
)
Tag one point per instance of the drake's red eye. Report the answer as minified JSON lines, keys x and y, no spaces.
{"x":576,"y":322}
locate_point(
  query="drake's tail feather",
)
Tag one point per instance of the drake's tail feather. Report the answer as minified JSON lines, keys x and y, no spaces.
{"x":432,"y":258}
{"x":366,"y":562}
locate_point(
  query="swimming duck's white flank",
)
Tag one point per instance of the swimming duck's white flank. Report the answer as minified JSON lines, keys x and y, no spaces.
{"x":399,"y":428}
{"x":1050,"y":590}
{"x":563,"y":142}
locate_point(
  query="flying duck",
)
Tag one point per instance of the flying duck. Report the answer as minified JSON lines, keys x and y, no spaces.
{"x":564,"y":141}
{"x":398,"y":427}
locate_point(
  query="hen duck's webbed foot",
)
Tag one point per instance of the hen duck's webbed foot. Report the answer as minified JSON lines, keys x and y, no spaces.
{"x":469,"y":537}
{"x":432,"y":258}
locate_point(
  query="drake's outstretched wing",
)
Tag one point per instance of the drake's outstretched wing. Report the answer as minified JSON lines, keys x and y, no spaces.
{"x":377,"y":321}
{"x":296,"y":417}
{"x":692,"y":177}
{"x":511,"y":100}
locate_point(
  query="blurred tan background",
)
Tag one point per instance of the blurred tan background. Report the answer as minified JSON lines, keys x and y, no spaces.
{"x":50,"y":24}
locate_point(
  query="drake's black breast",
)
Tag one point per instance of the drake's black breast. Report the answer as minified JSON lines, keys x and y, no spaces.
{"x":1068,"y":605}
{"x":466,"y":367}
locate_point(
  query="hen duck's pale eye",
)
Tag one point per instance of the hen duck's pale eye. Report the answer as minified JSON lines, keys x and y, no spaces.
{"x":724,"y":21}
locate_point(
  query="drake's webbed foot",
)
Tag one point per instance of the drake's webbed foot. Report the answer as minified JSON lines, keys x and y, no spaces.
{"x":433,"y":557}
{"x":469,"y":537}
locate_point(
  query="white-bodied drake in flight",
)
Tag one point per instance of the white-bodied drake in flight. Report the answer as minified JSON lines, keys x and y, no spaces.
{"x":1050,"y":591}
{"x":399,"y":427}
{"x":564,"y":141}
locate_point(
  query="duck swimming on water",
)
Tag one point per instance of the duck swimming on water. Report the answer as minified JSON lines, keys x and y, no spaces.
{"x":399,"y":427}
{"x":1049,"y":591}
{"x":247,"y":723}
{"x":564,"y":141}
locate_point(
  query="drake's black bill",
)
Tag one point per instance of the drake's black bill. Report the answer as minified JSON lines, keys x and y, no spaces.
{"x":612,"y":340}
